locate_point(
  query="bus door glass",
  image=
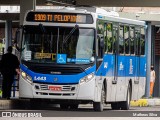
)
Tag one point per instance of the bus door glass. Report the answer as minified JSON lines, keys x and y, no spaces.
{"x":114,"y":65}
{"x":115,"y":53}
{"x":137,"y":40}
{"x":142,"y":64}
{"x":137,"y":60}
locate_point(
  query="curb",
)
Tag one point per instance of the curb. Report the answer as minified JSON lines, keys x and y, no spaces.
{"x":145,"y":102}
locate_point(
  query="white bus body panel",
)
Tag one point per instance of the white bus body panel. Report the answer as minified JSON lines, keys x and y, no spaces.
{"x":118,"y":91}
{"x":25,"y":88}
{"x":83,"y":91}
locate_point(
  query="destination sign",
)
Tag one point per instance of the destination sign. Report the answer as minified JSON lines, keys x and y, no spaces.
{"x":59,"y":17}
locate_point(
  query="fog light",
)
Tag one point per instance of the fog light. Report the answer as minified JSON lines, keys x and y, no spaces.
{"x":37,"y":87}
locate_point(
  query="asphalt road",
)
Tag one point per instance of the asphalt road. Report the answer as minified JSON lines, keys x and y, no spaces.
{"x":84,"y":112}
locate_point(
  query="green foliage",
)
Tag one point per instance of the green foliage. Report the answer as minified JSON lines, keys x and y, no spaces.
{"x":142,"y":42}
{"x":126,"y":29}
{"x":109,"y":27}
{"x":0,"y":92}
{"x":109,"y":42}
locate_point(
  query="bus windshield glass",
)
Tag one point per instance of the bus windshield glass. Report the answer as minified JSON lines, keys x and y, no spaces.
{"x":61,"y":45}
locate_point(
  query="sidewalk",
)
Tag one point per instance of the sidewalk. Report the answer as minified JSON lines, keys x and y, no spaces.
{"x":146,"y":102}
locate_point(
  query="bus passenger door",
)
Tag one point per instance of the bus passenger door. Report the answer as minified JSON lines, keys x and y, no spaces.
{"x":115,"y":64}
{"x":115,"y":55}
{"x":137,"y":65}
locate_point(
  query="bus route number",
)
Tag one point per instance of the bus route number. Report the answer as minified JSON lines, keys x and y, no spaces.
{"x":41,"y":17}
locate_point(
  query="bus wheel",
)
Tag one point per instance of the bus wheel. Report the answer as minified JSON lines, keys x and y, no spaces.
{"x":74,"y":106}
{"x":98,"y":106}
{"x":64,"y":106}
{"x":126,"y":104}
{"x":115,"y":106}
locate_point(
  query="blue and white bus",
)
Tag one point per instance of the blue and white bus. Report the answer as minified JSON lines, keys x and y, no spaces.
{"x":111,"y":68}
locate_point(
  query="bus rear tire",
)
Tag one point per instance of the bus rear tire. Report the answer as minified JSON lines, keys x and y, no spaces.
{"x":126,"y":104}
{"x":98,"y":106}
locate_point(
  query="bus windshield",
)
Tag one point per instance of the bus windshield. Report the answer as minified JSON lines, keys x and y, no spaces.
{"x":61,"y":45}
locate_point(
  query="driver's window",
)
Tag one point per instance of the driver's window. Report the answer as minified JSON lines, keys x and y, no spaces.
{"x":100,"y":46}
{"x":101,"y":34}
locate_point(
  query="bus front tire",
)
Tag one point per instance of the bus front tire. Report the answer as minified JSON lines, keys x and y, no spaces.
{"x":98,"y":106}
{"x":126,"y":104}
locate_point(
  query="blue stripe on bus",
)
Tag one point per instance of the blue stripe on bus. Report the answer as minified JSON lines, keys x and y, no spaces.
{"x":107,"y":66}
{"x":128,"y":66}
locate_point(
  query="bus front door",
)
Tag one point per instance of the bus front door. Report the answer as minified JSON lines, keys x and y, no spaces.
{"x":115,"y":64}
{"x":137,"y":67}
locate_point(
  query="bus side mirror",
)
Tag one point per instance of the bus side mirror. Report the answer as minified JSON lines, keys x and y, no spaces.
{"x":101,"y":44}
{"x":101,"y":41}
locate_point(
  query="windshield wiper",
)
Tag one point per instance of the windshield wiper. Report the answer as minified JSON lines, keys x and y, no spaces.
{"x":69,"y":35}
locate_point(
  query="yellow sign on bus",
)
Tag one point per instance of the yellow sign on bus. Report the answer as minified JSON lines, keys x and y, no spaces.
{"x":59,"y":18}
{"x":45,"y":55}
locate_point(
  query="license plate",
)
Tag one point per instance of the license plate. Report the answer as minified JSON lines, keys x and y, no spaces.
{"x":55,"y":88}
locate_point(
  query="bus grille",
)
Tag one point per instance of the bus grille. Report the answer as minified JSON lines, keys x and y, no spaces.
{"x":64,"y":87}
{"x":55,"y":94}
{"x":67,"y":90}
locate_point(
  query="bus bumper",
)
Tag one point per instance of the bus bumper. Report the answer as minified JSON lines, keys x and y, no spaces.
{"x":83,"y":91}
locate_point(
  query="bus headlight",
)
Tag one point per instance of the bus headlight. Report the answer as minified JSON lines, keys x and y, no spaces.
{"x":26,"y":77}
{"x":87,"y":78}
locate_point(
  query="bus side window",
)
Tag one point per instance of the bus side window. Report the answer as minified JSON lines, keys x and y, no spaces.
{"x":126,"y":39}
{"x":101,"y":36}
{"x":142,"y":41}
{"x":114,"y":38}
{"x":137,"y":38}
{"x":109,"y":38}
{"x":132,"y":51}
{"x":101,"y":45}
{"x":121,"y":39}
